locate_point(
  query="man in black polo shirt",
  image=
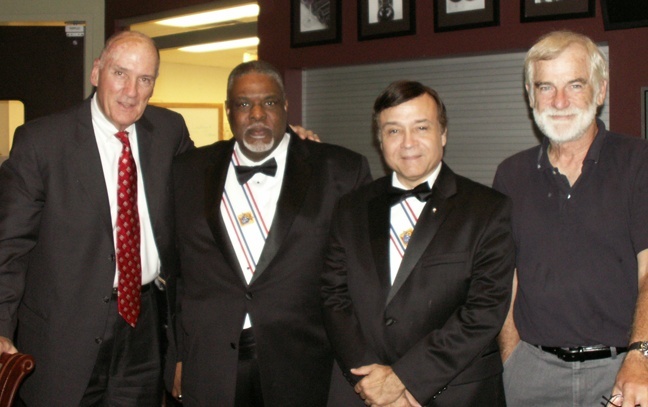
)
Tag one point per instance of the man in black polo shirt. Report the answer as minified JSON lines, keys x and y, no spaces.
{"x":580,"y":221}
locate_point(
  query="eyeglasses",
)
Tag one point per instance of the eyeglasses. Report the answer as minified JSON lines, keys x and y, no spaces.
{"x":612,"y":401}
{"x":615,"y":400}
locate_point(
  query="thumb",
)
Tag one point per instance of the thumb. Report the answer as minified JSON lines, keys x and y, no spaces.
{"x":362,"y":370}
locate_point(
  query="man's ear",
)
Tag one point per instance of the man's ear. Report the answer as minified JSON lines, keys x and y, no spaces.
{"x":94,"y":75}
{"x":600,"y":97}
{"x":529,"y":95}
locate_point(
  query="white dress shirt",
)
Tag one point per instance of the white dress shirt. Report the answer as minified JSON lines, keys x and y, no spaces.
{"x":403,"y":218}
{"x":248,"y":210}
{"x":110,"y":149}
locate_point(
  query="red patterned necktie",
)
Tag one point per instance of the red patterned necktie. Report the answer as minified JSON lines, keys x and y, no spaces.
{"x":128,"y":236}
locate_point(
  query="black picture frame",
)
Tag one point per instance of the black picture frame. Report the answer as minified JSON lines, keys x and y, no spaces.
{"x":622,"y":14}
{"x":644,"y":111}
{"x":452,"y":15}
{"x":385,"y":18}
{"x":531,"y":11}
{"x":315,"y":22}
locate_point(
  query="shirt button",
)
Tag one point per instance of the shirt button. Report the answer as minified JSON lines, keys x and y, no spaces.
{"x":390,"y":321}
{"x":248,"y":296}
{"x":98,"y":341}
{"x":106,"y":299}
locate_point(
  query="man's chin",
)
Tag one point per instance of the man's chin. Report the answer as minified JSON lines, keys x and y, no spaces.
{"x":563,"y":136}
{"x":258,"y":146}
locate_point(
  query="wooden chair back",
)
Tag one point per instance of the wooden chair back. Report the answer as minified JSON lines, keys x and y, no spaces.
{"x":13,"y":370}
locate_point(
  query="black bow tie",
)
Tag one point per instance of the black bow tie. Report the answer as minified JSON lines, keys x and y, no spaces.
{"x":244,"y":173}
{"x":422,"y":192}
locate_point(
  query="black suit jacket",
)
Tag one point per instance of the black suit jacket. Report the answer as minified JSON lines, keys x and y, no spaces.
{"x":294,"y":356}
{"x":57,"y":256}
{"x":436,"y":325}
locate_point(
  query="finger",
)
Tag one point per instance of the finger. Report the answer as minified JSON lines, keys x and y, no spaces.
{"x":362,"y":370}
{"x":8,"y":348}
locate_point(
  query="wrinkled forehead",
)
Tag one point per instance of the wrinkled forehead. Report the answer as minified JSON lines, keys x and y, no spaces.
{"x":256,"y":83}
{"x":134,"y":50}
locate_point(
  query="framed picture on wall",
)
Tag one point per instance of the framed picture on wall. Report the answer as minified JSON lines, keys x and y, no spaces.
{"x":314,"y":22}
{"x":385,"y":18}
{"x":204,"y":120}
{"x":542,"y":10}
{"x":461,"y":14}
{"x":621,"y":14}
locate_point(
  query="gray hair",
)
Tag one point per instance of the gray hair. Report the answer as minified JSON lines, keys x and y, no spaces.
{"x":259,"y":67}
{"x":551,"y":45}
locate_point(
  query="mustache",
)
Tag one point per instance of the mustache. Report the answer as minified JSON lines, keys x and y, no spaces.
{"x":556,"y":112}
{"x":256,"y":128}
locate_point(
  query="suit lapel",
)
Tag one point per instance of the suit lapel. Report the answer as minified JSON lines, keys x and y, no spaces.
{"x":215,"y":176}
{"x":296,"y":180}
{"x":379,"y":218}
{"x":87,"y":163}
{"x":432,"y":217}
{"x":152,"y":187}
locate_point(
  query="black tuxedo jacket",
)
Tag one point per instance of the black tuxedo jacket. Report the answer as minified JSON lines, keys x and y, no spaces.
{"x":57,"y":256}
{"x":436,"y":325}
{"x":294,"y":356}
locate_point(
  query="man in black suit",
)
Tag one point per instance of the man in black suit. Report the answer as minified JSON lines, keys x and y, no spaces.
{"x":61,"y":237}
{"x":419,"y":269}
{"x":252,"y":221}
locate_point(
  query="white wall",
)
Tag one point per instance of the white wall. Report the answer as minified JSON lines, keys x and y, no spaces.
{"x":182,"y":83}
{"x":12,"y":115}
{"x":4,"y":129}
{"x":90,"y":11}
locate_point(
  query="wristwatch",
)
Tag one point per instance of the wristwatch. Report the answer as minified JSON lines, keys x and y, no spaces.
{"x":641,"y":346}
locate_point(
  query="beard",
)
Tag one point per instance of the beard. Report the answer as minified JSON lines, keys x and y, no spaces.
{"x":259,"y":145}
{"x":564,"y":131}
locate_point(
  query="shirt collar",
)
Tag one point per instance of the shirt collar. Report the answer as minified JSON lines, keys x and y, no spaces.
{"x":101,"y":122}
{"x":593,"y":154}
{"x":431,"y":179}
{"x":277,"y":153}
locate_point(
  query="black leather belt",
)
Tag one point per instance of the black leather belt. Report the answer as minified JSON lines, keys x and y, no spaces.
{"x":583,"y":353}
{"x":145,"y":289}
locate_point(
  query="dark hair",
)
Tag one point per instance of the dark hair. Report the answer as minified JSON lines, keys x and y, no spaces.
{"x":400,"y":92}
{"x":260,"y":67}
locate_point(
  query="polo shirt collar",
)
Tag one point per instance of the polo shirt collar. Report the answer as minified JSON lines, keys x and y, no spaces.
{"x":593,"y":154}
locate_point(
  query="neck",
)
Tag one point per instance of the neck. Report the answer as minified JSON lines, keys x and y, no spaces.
{"x":568,"y":157}
{"x":574,"y":148}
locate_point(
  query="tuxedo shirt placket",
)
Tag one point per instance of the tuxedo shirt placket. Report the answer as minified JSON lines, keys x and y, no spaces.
{"x":403,"y":219}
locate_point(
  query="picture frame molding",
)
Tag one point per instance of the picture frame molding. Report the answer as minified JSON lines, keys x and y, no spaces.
{"x":610,"y":22}
{"x":370,"y":31}
{"x":489,"y":16}
{"x":531,"y":12}
{"x":330,"y":35}
{"x":202,"y":119}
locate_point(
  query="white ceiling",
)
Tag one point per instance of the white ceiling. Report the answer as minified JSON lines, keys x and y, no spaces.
{"x":220,"y":59}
